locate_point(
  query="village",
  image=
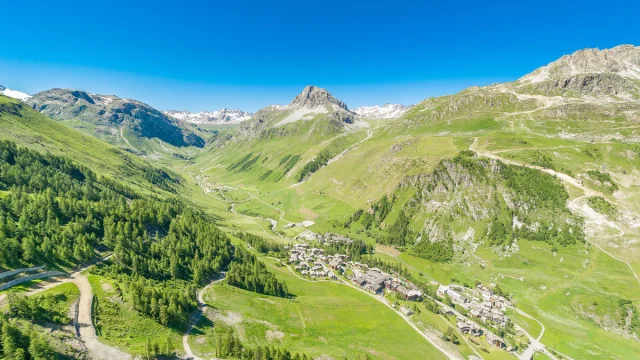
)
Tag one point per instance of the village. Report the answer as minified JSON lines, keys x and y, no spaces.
{"x":314,"y":263}
{"x":477,"y":307}
{"x":480,"y":303}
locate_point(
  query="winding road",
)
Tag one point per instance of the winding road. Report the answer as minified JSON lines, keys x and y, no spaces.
{"x":84,"y":323}
{"x":573,"y":205}
{"x":196,"y":317}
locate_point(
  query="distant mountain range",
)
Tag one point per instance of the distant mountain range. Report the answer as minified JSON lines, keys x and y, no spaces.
{"x":387,"y":111}
{"x":218,"y":117}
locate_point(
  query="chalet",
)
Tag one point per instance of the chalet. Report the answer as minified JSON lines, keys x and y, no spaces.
{"x":447,"y":310}
{"x":463,"y":327}
{"x":474,"y":329}
{"x":359,"y":280}
{"x":442,"y":291}
{"x":414,"y":295}
{"x":457,"y":297}
{"x":494,"y":340}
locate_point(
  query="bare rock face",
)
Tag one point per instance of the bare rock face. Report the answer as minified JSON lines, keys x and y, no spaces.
{"x":623,"y":60}
{"x":312,"y":97}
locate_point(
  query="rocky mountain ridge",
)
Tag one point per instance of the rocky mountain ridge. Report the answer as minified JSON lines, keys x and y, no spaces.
{"x":111,"y":116}
{"x":218,"y":117}
{"x":623,"y":60}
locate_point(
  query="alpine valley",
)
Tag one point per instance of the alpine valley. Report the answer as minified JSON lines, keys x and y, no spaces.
{"x":496,"y":223}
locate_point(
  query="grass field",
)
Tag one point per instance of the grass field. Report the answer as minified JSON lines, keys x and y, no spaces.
{"x":323,"y":318}
{"x":117,"y":324}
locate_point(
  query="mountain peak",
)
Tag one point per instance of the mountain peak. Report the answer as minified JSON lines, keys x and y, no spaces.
{"x":313,"y":96}
{"x":623,"y":60}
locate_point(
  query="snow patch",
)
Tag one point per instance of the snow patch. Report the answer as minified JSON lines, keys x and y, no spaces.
{"x":14,"y":93}
{"x":388,"y":111}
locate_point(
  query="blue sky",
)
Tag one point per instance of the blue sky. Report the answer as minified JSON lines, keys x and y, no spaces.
{"x":204,"y":55}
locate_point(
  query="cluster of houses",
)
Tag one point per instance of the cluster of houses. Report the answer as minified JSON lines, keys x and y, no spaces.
{"x":377,"y":281}
{"x":328,"y":238}
{"x":481,"y":303}
{"x":311,"y":261}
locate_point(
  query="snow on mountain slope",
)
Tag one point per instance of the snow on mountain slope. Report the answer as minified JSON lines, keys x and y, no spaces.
{"x":218,"y":117}
{"x":314,"y":101}
{"x":388,"y":111}
{"x":14,"y":93}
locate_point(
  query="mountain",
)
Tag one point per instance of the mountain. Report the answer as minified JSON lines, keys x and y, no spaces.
{"x":387,"y":111}
{"x":218,"y":117}
{"x":314,"y":101}
{"x":623,"y":60}
{"x":14,"y":93}
{"x":589,"y":84}
{"x":29,"y":128}
{"x":613,"y":74}
{"x":125,"y":122}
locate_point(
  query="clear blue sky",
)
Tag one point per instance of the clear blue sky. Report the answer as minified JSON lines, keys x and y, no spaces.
{"x":248,"y":54}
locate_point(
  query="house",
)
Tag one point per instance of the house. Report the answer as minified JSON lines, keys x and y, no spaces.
{"x":463,"y":327}
{"x":414,"y":295}
{"x":406,"y":311}
{"x":474,"y":329}
{"x":447,"y":310}
{"x":457,"y":297}
{"x":494,"y":340}
{"x":442,"y":291}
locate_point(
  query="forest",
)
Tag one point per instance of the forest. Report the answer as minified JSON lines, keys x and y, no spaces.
{"x":249,"y":273}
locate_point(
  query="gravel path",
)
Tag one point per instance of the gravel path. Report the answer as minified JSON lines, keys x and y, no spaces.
{"x":84,"y":325}
{"x":97,"y":350}
{"x":194,"y":320}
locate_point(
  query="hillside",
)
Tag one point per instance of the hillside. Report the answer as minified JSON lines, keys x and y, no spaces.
{"x":520,"y":210}
{"x":511,"y":208}
{"x":29,"y":128}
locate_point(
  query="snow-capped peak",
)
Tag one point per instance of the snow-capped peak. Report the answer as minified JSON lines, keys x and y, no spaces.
{"x":14,"y":93}
{"x":218,"y":117}
{"x":388,"y":111}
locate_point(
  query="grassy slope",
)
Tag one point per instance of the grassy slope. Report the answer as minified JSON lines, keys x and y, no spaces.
{"x":324,"y":318}
{"x":31,"y":129}
{"x":118,"y":324}
{"x":603,"y":276}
